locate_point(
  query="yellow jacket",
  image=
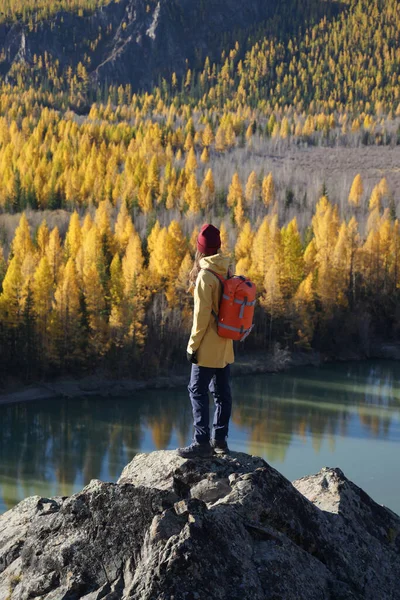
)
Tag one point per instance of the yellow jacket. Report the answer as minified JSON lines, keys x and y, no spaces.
{"x":212,"y":350}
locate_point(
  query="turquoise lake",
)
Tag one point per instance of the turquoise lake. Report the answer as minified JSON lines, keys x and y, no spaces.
{"x":345,"y":416}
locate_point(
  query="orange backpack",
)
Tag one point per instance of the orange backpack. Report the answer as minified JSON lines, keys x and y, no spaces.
{"x":236,"y":309}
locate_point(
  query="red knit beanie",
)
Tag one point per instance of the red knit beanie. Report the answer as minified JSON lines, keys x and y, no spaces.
{"x":209,"y":240}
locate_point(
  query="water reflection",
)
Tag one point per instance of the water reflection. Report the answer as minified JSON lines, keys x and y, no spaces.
{"x":55,"y":447}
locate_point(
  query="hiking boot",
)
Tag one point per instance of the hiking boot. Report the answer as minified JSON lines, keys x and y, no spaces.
{"x":220,"y":446}
{"x":196,"y":450}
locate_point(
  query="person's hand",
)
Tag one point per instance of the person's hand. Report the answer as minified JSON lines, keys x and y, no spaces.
{"x":192,"y":358}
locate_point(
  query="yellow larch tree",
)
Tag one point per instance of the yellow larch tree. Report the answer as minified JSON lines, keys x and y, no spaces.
{"x":192,"y":195}
{"x":86,"y":226}
{"x":356,"y":191}
{"x":326,"y":227}
{"x":103,"y":222}
{"x":153,"y":236}
{"x":376,"y":199}
{"x":96,"y":311}
{"x":268,"y":190}
{"x":235,"y":191}
{"x":225,"y":245}
{"x":158,"y":263}
{"x":208,"y":136}
{"x":68,"y":317}
{"x":73,"y":239}
{"x":384,"y":188}
{"x":304,"y":302}
{"x":42,"y":238}
{"x":12,"y":295}
{"x":133,"y":261}
{"x":153,"y":177}
{"x":205,"y":156}
{"x":220,"y":140}
{"x":310,"y":255}
{"x":123,"y":228}
{"x":340,"y":275}
{"x":90,"y":253}
{"x":239,"y":213}
{"x":54,"y":253}
{"x":191,"y":162}
{"x":207,"y":191}
{"x":252,"y":188}
{"x":260,"y":253}
{"x":293,"y":262}
{"x":136,"y":292}
{"x":243,"y":249}
{"x":117,"y":320}
{"x":43,"y":289}
{"x":176,"y":248}
{"x":22,"y":244}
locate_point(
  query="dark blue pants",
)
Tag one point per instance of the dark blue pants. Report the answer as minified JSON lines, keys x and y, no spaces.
{"x":217,"y":381}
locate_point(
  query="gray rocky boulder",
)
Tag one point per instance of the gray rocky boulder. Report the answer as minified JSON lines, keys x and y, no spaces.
{"x":223,"y":528}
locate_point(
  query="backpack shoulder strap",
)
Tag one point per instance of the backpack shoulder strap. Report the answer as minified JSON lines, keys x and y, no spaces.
{"x":222,"y":282}
{"x":219,"y":277}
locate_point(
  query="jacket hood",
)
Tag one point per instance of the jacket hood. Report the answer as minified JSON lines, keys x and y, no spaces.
{"x":217,"y":262}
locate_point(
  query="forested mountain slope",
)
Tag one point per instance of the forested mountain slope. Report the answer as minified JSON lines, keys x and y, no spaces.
{"x":139,"y":41}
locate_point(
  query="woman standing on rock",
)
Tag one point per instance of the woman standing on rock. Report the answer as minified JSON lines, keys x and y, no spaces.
{"x":209,"y":354}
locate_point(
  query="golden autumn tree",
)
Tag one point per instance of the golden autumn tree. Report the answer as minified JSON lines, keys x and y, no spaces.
{"x":54,"y":253}
{"x":293,"y":262}
{"x":123,"y":227}
{"x":239,"y":213}
{"x":103,"y":222}
{"x":304,"y":302}
{"x":235,"y":193}
{"x":205,"y":156}
{"x":268,"y":190}
{"x":22,"y":244}
{"x":12,"y":294}
{"x":191,"y":162}
{"x":192,"y":195}
{"x":260,"y":254}
{"x":136,"y":293}
{"x":207,"y":191}
{"x":326,"y":227}
{"x":133,"y":261}
{"x":252,"y":188}
{"x":243,"y":249}
{"x":96,"y":311}
{"x":73,"y":239}
{"x":117,"y":320}
{"x":208,"y":136}
{"x":67,"y":330}
{"x":43,"y":290}
{"x":42,"y":238}
{"x":225,"y":245}
{"x":356,"y":191}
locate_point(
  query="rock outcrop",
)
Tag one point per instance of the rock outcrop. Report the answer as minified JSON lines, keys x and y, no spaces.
{"x":223,"y":528}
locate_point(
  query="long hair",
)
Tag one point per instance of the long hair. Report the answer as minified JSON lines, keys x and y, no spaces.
{"x":195,"y":270}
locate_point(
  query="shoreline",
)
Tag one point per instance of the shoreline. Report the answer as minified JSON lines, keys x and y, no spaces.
{"x":90,"y":386}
